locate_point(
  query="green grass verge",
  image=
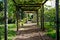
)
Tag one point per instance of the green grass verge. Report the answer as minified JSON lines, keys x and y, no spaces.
{"x":51,"y":32}
{"x":11,"y":31}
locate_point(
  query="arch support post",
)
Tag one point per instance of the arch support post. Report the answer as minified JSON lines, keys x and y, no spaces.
{"x":57,"y":19}
{"x":6,"y":19}
{"x":17,"y":13}
{"x":42,"y":17}
{"x":37,"y":18}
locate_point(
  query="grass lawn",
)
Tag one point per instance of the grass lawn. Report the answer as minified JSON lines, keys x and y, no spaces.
{"x":11,"y":31}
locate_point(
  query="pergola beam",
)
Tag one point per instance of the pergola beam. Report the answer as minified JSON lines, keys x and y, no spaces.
{"x":44,"y":2}
{"x":25,"y":4}
{"x":29,"y":5}
{"x":30,"y":9}
{"x":14,"y":1}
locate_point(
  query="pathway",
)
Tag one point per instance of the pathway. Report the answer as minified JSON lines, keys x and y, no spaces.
{"x":31,"y":33}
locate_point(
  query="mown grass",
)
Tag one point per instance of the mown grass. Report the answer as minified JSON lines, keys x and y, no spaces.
{"x":11,"y":31}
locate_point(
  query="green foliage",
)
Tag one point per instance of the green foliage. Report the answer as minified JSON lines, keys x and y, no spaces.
{"x":11,"y":11}
{"x":11,"y":31}
{"x":1,"y":5}
{"x":28,"y":1}
{"x":52,"y":33}
{"x":23,"y":21}
{"x":1,"y":17}
{"x":50,"y":15}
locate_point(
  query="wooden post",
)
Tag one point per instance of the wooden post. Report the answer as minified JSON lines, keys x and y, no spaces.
{"x":57,"y":19}
{"x":17,"y":25}
{"x":37,"y":18}
{"x":42,"y":17}
{"x":6,"y":19}
{"x":17,"y":17}
{"x":20,"y":16}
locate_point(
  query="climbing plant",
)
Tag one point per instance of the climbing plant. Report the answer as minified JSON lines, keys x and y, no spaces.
{"x":28,"y":1}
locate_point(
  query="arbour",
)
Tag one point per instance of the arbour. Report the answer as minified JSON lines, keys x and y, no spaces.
{"x":28,"y":3}
{"x":35,"y":5}
{"x":42,"y":22}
